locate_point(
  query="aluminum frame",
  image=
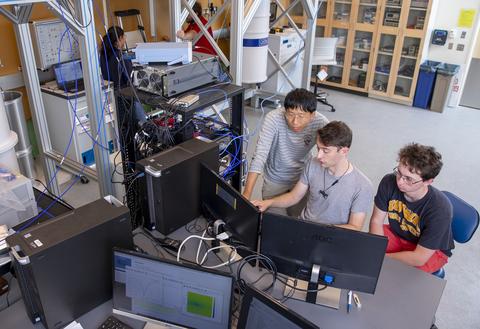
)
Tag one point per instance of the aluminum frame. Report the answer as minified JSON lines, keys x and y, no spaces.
{"x":241,"y":15}
{"x":83,"y":24}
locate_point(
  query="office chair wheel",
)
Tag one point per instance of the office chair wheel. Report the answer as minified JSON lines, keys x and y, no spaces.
{"x":84,"y":179}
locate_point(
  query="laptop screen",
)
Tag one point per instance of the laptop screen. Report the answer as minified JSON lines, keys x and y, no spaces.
{"x":158,"y":290}
{"x":68,"y":72}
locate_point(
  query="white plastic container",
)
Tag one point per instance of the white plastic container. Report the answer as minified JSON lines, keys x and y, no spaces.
{"x":8,"y":157}
{"x":22,"y":205}
{"x":255,"y":46}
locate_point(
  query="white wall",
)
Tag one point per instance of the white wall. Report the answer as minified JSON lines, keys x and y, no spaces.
{"x":445,"y":14}
{"x":476,"y":51}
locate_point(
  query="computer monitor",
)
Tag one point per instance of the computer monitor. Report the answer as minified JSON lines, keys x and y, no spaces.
{"x":261,"y":311}
{"x":162,"y":291}
{"x":332,"y":255}
{"x":69,"y":75}
{"x":220,"y":201}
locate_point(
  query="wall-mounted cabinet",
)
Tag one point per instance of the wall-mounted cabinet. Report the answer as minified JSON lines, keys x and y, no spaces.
{"x":379,"y":44}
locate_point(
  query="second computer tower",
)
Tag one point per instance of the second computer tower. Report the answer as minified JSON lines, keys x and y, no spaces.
{"x":170,"y":189}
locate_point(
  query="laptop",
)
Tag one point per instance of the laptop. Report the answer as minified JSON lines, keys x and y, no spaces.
{"x":69,"y":75}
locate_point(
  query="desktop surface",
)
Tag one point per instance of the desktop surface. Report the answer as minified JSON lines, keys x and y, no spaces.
{"x":405,"y":298}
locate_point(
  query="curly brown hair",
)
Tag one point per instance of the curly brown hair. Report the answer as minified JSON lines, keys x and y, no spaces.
{"x":421,"y":159}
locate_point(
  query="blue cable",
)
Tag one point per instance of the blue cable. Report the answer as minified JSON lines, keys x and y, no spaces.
{"x":39,"y":198}
{"x":74,"y":107}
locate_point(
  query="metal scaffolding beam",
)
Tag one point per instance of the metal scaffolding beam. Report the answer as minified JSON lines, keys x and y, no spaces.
{"x":91,"y":77}
{"x":32,"y":84}
{"x":83,"y":25}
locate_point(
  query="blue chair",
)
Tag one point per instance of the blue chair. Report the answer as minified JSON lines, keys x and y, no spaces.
{"x":465,"y":221}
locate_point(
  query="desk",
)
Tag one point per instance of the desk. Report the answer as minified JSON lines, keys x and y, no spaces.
{"x":405,"y":298}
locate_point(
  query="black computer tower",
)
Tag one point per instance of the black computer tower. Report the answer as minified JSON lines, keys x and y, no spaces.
{"x":64,"y":265}
{"x":170,"y":188}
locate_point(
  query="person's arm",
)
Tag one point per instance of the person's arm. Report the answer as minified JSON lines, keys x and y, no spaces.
{"x":285,"y":200}
{"x":190,"y":35}
{"x":250,"y":184}
{"x":262,"y":149}
{"x":417,"y":257}
{"x":376,"y":221}
{"x":355,"y":221}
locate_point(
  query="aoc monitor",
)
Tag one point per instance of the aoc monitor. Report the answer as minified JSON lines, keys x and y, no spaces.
{"x":160,"y":291}
{"x":327,"y":254}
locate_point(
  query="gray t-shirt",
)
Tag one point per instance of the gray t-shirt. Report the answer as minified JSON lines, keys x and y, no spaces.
{"x":353,"y":193}
{"x":281,"y":153}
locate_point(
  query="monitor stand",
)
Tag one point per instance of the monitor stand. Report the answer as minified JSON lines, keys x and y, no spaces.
{"x":329,"y":297}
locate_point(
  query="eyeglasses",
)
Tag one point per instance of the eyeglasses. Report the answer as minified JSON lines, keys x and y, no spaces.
{"x":407,"y":179}
{"x":291,"y":115}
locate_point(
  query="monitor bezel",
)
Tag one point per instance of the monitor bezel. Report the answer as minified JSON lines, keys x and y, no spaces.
{"x":238,"y":195}
{"x":174,"y":263}
{"x":252,"y":292}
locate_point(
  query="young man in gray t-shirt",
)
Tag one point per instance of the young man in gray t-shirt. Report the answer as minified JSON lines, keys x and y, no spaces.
{"x":339,"y":193}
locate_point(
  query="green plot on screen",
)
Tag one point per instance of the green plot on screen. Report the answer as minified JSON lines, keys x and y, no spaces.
{"x":200,"y":304}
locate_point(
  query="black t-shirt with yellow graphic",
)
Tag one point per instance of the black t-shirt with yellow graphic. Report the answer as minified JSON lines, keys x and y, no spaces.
{"x":427,"y":222}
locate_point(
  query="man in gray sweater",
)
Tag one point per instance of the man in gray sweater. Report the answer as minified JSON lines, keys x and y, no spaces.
{"x":284,"y":146}
{"x":338,"y":193}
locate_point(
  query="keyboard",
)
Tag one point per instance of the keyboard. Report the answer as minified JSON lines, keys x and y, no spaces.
{"x":113,"y":323}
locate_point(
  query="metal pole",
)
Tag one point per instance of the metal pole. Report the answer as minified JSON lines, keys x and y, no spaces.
{"x":152,"y":8}
{"x":309,"y":42}
{"x":91,"y":77}
{"x":185,"y":13}
{"x":206,"y":34}
{"x":213,"y":19}
{"x":290,"y":20}
{"x":236,"y":41}
{"x":175,"y":22}
{"x":32,"y":84}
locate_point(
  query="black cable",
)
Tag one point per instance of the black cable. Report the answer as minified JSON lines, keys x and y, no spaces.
{"x":60,"y":200}
{"x":155,"y":244}
{"x":300,"y":289}
{"x":199,"y":61}
{"x":9,"y":289}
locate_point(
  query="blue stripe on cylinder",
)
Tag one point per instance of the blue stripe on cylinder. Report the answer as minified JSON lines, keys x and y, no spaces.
{"x":255,"y":42}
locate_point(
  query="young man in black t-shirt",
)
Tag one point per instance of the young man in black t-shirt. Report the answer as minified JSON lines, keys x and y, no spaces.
{"x":419,"y":215}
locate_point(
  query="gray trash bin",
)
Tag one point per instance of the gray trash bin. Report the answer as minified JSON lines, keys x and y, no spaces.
{"x":443,"y":86}
{"x":17,"y":122}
